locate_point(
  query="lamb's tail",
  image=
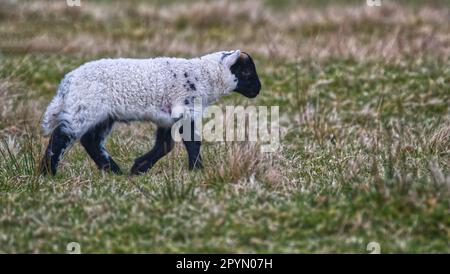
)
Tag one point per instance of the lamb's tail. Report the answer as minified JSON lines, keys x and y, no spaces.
{"x":50,"y":120}
{"x":51,"y":117}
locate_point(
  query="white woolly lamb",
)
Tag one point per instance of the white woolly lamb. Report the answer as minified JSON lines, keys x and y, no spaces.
{"x":97,"y":94}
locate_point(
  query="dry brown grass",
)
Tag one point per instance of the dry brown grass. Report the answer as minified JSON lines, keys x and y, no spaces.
{"x":15,"y":113}
{"x":390,"y":32}
{"x":440,"y":140}
{"x":242,"y":160}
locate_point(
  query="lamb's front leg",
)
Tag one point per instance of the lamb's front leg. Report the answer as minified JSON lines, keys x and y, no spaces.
{"x":192,"y":143}
{"x":163,"y":145}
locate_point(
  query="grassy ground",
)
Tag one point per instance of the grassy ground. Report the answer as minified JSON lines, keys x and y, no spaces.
{"x":364,"y":110}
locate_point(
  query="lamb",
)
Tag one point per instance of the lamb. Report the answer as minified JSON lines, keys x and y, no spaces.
{"x":91,"y":98}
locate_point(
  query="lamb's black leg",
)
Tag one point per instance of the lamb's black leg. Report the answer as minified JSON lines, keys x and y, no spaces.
{"x":163,"y":145}
{"x":192,"y":145}
{"x":60,"y":140}
{"x":94,"y":143}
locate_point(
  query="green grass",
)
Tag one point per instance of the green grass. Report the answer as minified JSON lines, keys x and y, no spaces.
{"x":364,"y":158}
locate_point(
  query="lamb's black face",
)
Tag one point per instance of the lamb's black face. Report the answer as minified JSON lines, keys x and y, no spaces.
{"x":245,"y":71}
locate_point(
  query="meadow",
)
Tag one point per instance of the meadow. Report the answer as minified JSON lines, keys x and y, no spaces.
{"x":364,"y":99}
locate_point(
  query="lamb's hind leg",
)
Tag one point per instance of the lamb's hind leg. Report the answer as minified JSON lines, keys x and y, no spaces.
{"x":94,"y":143}
{"x":163,"y":145}
{"x":60,"y":140}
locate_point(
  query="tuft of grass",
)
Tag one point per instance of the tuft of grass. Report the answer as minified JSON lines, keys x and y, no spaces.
{"x":20,"y":161}
{"x":440,"y":140}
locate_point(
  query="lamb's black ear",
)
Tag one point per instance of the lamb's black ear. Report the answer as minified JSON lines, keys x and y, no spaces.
{"x":230,"y":58}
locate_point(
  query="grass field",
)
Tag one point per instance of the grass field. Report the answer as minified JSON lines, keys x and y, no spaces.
{"x":364,"y":96}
